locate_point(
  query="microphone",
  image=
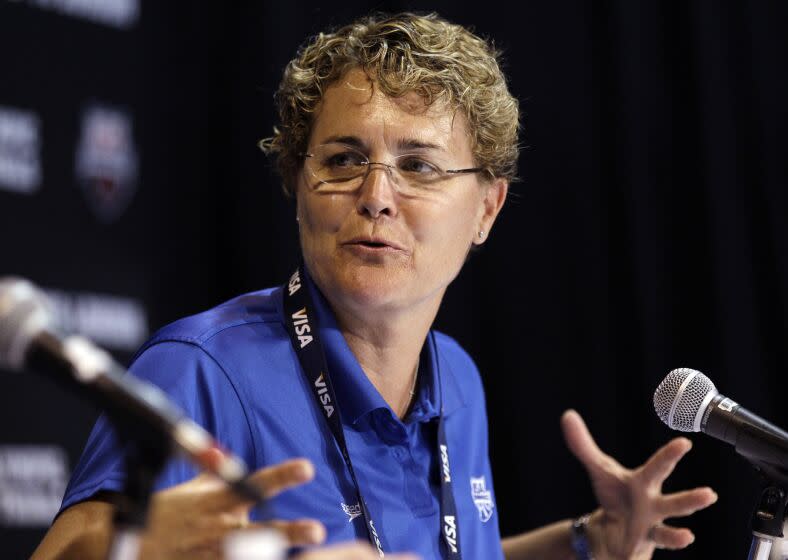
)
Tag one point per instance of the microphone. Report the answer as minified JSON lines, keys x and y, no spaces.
{"x":28,"y":340}
{"x":688,"y":401}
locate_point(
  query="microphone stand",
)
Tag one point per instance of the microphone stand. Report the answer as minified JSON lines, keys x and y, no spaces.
{"x":769,"y":514}
{"x":147,"y":451}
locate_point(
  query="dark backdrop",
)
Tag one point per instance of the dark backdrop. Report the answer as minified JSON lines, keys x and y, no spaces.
{"x":649,"y":230}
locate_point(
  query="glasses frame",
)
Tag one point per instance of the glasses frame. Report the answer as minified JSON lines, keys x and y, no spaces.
{"x":444,"y":173}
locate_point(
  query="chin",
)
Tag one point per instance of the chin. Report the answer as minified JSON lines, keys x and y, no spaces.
{"x":370,"y":287}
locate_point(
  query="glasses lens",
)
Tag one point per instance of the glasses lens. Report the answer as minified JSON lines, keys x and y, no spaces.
{"x":344,"y":168}
{"x":334,"y":163}
{"x":418,"y":171}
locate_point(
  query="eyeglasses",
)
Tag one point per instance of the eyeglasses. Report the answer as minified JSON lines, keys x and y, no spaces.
{"x":345,"y":168}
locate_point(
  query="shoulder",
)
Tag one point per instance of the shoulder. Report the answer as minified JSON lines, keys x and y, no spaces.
{"x":209,"y":364}
{"x":217,"y":346}
{"x":255,"y":308}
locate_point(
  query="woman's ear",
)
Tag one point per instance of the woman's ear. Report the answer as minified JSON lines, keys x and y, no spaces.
{"x":494,"y":198}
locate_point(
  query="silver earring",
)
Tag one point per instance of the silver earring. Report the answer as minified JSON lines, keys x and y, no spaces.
{"x":481,"y":234}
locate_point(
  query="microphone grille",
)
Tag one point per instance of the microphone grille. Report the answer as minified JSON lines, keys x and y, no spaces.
{"x":679,"y":398}
{"x":23,"y":315}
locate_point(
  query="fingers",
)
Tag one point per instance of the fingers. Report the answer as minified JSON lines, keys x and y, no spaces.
{"x":580,"y":442}
{"x":354,"y":551}
{"x":278,"y":478}
{"x":271,"y":481}
{"x":665,"y":459}
{"x":672,"y":538}
{"x":210,"y":457}
{"x":686,"y":502}
{"x":301,"y":532}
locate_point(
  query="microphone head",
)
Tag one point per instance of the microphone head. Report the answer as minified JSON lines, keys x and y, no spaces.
{"x":23,"y":315}
{"x":682,"y":398}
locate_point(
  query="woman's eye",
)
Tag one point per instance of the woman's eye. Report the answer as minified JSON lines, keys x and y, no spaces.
{"x":345,"y":159}
{"x":417,"y":166}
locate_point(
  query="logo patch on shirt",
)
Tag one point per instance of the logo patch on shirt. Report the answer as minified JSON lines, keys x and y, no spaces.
{"x":352,"y":511}
{"x":482,"y":498}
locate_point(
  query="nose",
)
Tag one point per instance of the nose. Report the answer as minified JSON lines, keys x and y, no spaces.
{"x":377,"y":193}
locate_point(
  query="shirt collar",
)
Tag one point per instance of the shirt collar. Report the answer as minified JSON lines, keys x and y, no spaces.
{"x":356,"y":394}
{"x":436,"y":376}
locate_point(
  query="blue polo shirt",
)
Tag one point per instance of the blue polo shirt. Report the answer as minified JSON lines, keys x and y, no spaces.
{"x":233,"y":370}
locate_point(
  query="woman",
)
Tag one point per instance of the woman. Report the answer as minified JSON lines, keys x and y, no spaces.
{"x":398,"y":139}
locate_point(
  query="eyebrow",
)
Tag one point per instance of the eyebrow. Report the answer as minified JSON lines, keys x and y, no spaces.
{"x":418,"y":145}
{"x":402,"y":144}
{"x":353,"y":141}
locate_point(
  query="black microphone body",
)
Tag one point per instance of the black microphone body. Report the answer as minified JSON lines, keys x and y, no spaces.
{"x":751,"y":436}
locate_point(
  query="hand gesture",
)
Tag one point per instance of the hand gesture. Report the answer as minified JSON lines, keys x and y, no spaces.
{"x":354,"y":551}
{"x":629,"y":524}
{"x":190,"y":520}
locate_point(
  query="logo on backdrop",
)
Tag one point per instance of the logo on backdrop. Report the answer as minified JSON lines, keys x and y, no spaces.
{"x":20,"y":151}
{"x":482,"y":498}
{"x":106,"y":162}
{"x":32,"y":482}
{"x":115,"y":13}
{"x":119,"y":323}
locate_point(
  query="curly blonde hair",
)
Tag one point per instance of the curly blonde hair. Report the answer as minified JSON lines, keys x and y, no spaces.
{"x":402,"y":53}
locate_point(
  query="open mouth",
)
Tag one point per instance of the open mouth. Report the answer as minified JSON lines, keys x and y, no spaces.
{"x":373,"y":244}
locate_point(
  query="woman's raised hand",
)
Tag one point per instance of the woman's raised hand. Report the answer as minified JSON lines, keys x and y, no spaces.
{"x":629,"y":524}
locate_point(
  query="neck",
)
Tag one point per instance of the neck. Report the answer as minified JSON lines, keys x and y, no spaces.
{"x":387,"y":345}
